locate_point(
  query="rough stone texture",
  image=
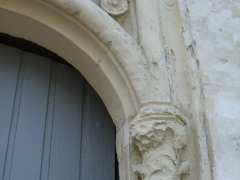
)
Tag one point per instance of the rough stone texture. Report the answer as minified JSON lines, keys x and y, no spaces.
{"x":160,"y":141}
{"x":136,"y":74}
{"x":215,"y":39}
{"x":152,"y":63}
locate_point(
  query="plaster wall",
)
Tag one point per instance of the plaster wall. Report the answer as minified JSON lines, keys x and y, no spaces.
{"x":213,"y":36}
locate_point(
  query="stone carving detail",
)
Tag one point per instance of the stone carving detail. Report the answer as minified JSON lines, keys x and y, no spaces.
{"x":160,"y":139}
{"x":115,"y":7}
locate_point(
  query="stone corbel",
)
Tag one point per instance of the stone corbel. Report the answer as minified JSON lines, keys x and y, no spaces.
{"x":115,"y":7}
{"x":159,"y":136}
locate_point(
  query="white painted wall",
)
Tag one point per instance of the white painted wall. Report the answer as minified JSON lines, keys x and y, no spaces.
{"x":215,"y":27}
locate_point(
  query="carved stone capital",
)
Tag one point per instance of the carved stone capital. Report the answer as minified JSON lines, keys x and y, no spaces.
{"x":115,"y":7}
{"x":160,"y":138}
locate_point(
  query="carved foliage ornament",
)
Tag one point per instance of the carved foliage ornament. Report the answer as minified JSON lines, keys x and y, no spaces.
{"x":161,"y":141}
{"x":115,"y":7}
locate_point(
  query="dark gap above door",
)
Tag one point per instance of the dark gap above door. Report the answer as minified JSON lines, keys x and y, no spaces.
{"x":29,"y":46}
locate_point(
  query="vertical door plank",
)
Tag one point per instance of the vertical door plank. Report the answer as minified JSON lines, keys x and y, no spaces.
{"x":46,"y":153}
{"x":26,"y":157}
{"x":98,"y":148}
{"x":9,"y":68}
{"x":66,"y":141}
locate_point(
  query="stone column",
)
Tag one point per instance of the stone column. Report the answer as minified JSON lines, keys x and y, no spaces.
{"x":159,"y":139}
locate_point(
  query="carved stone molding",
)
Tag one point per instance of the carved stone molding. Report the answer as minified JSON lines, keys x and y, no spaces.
{"x":115,"y":7}
{"x":160,"y":138}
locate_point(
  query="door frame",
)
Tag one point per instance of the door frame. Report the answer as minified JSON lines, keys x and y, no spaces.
{"x":111,"y":61}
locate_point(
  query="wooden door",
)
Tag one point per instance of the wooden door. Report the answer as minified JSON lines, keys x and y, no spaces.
{"x":53,"y":126}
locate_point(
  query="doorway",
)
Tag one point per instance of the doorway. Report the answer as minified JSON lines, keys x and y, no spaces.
{"x":53,"y":125}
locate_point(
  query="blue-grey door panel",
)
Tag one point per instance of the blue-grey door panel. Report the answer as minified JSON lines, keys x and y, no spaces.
{"x":9,"y":69}
{"x":97,"y":140}
{"x":53,"y":126}
{"x":29,"y":133}
{"x":66,"y":131}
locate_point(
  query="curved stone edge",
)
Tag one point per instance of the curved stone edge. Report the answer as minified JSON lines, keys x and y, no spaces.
{"x":124,"y":48}
{"x":159,"y":135}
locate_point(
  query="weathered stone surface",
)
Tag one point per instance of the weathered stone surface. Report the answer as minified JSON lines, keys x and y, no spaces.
{"x":180,"y":55}
{"x":160,"y":138}
{"x":214,"y":40}
{"x":115,"y":7}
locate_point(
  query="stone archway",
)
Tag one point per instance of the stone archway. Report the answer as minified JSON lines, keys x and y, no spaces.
{"x":51,"y":29}
{"x":115,"y":66}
